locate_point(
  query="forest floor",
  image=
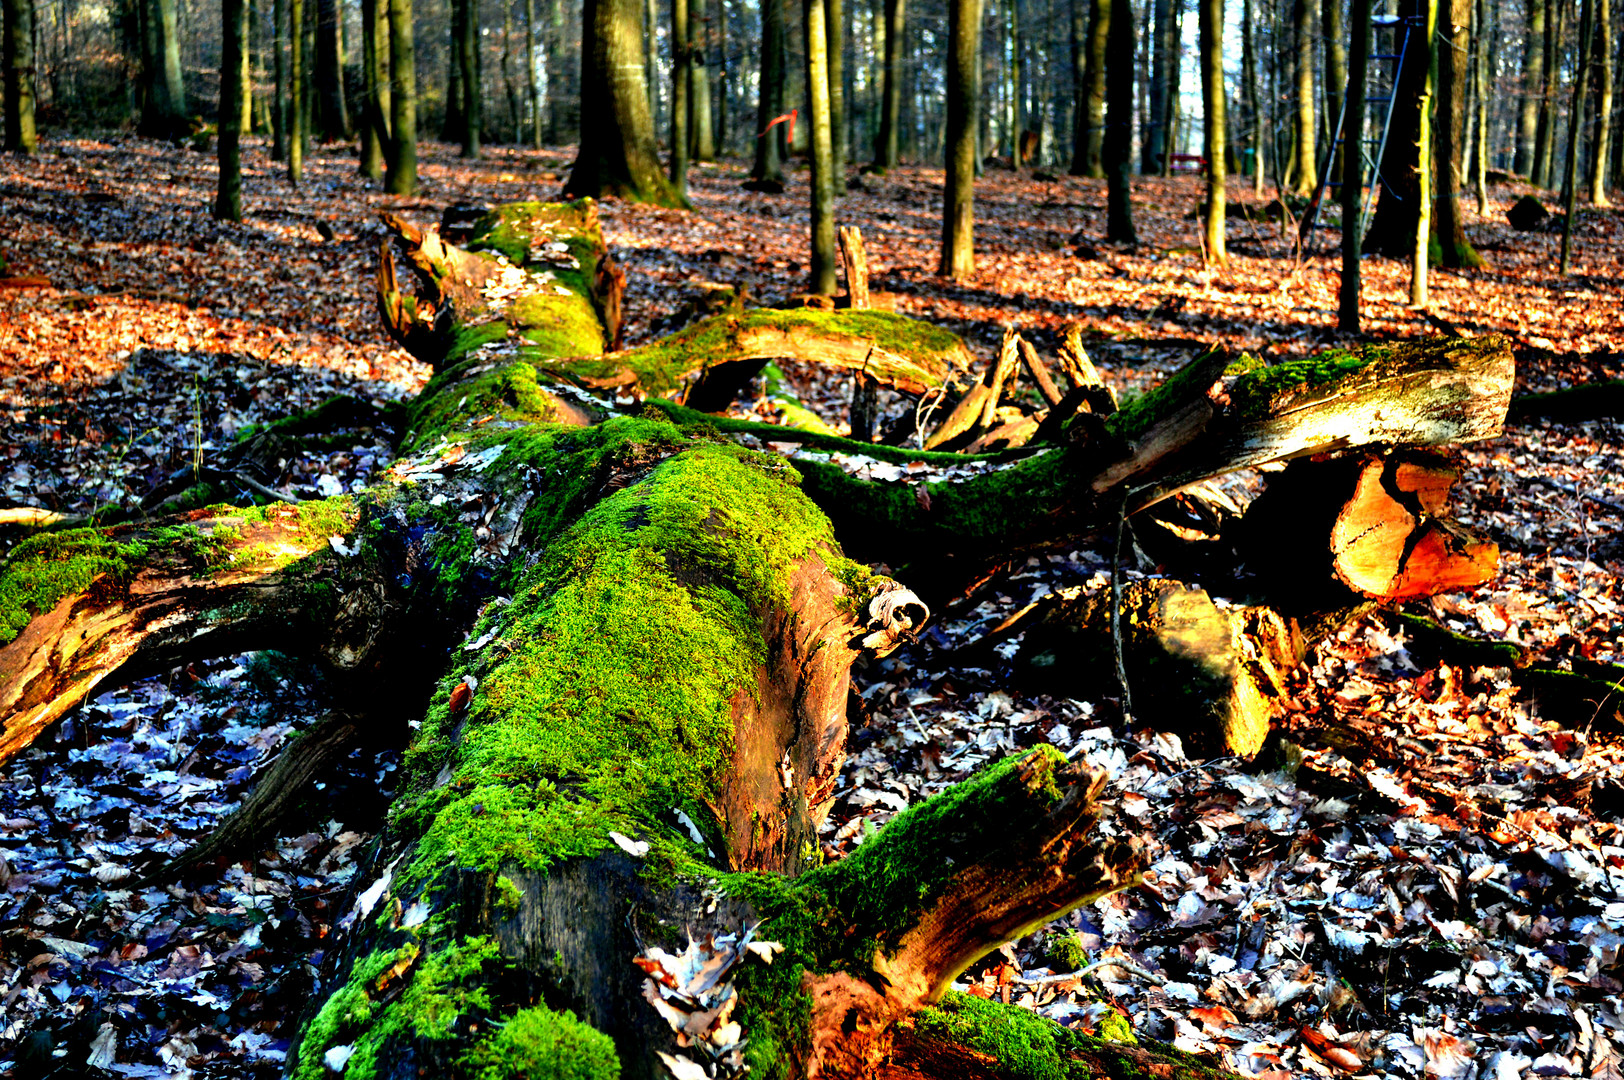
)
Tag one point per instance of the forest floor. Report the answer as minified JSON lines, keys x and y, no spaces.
{"x":1442,"y":897}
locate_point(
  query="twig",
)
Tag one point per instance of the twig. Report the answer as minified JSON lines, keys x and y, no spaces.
{"x":269,"y":492}
{"x":1124,"y":965}
{"x":1116,"y":613}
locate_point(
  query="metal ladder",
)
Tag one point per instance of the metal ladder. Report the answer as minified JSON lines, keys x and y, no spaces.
{"x":1372,"y":165}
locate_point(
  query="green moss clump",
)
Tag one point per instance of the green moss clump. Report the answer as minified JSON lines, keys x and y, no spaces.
{"x":42,"y":571}
{"x":540,"y":1044}
{"x":509,"y":392}
{"x":509,"y":897}
{"x":1066,"y":951}
{"x":1256,"y":392}
{"x":1025,"y":1045}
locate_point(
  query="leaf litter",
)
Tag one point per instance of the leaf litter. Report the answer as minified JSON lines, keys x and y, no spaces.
{"x":1447,"y":901}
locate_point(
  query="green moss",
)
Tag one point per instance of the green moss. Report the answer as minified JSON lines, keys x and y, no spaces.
{"x":540,"y":1044}
{"x":372,"y":1015}
{"x":460,"y":395}
{"x":1256,"y":393}
{"x":1066,"y":951}
{"x":780,"y":393}
{"x":509,"y":897}
{"x":1137,"y":415}
{"x":558,"y":324}
{"x":1026,"y":1046}
{"x":44,"y":570}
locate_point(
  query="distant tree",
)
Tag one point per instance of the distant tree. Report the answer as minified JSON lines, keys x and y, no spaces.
{"x":1570,"y":179}
{"x":1392,"y":225}
{"x":963,"y":78}
{"x":297,"y":132}
{"x":681,"y":67}
{"x":1304,"y":172}
{"x":400,"y":177}
{"x":1533,"y":85}
{"x":375,"y":86}
{"x":1088,"y":128}
{"x":532,"y":78}
{"x":702,"y":127}
{"x":1213,"y":122}
{"x":1600,"y":149}
{"x":1117,"y":148}
{"x":1161,"y":90}
{"x":17,"y":60}
{"x":279,"y":104}
{"x":234,"y":27}
{"x":163,"y":112}
{"x":1353,"y":166}
{"x":771,"y":147}
{"x":466,"y":61}
{"x":1334,"y":32}
{"x":1421,"y":229}
{"x":327,"y":74}
{"x":835,"y":38}
{"x":886,"y":142}
{"x":617,"y":154}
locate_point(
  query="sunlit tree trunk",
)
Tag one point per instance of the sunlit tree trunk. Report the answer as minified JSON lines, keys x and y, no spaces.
{"x":245,"y":73}
{"x":1486,"y":17}
{"x":771,"y":148}
{"x":1161,"y":87}
{"x":1212,"y":102}
{"x":885,"y":145}
{"x":296,"y":92}
{"x":1533,"y":85}
{"x":1392,"y":226}
{"x":1422,"y":241}
{"x":1545,"y":138}
{"x":164,"y":111}
{"x":963,"y":97}
{"x":401,"y":175}
{"x":17,"y":57}
{"x":1453,"y":49}
{"x":1117,"y":149}
{"x":617,"y":154}
{"x":1249,"y":92}
{"x":1303,"y":171}
{"x":822,"y":142}
{"x":1353,"y":178}
{"x":1091,"y":93}
{"x":375,"y":75}
{"x":680,"y":54}
{"x":1600,"y":150}
{"x":473,"y":96}
{"x":228,"y":194}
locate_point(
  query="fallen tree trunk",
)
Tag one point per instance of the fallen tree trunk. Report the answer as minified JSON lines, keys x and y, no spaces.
{"x":646,"y":717}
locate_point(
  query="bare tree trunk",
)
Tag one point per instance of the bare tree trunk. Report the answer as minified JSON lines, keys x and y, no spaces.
{"x":1422,"y":241}
{"x":617,"y":154}
{"x":400,"y":175}
{"x":1254,"y":111}
{"x":1570,"y":169}
{"x":681,"y":65}
{"x":702,"y":136}
{"x":1487,"y":16}
{"x":332,"y":114}
{"x":1156,"y":133}
{"x":1353,"y":170}
{"x":821,"y":137}
{"x":228,"y":196}
{"x":1213,"y":124}
{"x":1086,"y":155}
{"x":771,"y":145}
{"x":1556,"y":24}
{"x":1336,"y":75}
{"x":1453,"y":50}
{"x":375,"y":81}
{"x":1533,"y":85}
{"x":1116,"y":149}
{"x":279,"y":109}
{"x":1600,"y":150}
{"x":1304,"y":173}
{"x":17,"y":61}
{"x":835,"y":49}
{"x":531,"y":76}
{"x":958,"y":198}
{"x":896,"y":27}
{"x":297,"y":132}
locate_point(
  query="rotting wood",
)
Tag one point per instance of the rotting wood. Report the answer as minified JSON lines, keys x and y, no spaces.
{"x":855,"y":260}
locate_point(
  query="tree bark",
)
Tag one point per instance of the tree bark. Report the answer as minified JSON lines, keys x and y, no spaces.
{"x":1304,"y":171}
{"x":467,"y":64}
{"x":297,"y":132}
{"x":333,"y":112}
{"x":886,"y":142}
{"x":1533,"y":85}
{"x":835,"y":76}
{"x":1600,"y":138}
{"x":617,"y":154}
{"x":375,"y":102}
{"x":400,"y":176}
{"x":1213,"y":125}
{"x":228,"y":192}
{"x":702,"y":134}
{"x":820,"y":130}
{"x":1086,"y":154}
{"x":164,"y":113}
{"x":1454,"y":50}
{"x":1334,"y":30}
{"x":681,"y":87}
{"x":1116,"y":148}
{"x":531,"y":75}
{"x":1392,"y":224}
{"x":1353,"y":171}
{"x":279,"y":108}
{"x":1570,"y":179}
{"x":771,"y":146}
{"x":963,"y":84}
{"x":1544,"y":164}
{"x":17,"y":70}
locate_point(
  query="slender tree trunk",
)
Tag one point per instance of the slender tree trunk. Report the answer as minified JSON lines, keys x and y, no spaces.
{"x":1545,"y":145}
{"x":296,"y":92}
{"x":333,"y":114}
{"x":473,"y":95}
{"x":1353,"y":178}
{"x":401,"y":175}
{"x":279,"y":104}
{"x":374,"y":101}
{"x":1486,"y":13}
{"x":886,"y":143}
{"x":617,"y":155}
{"x":1336,"y":75}
{"x":1154,"y":134}
{"x":1117,"y":146}
{"x":834,"y":18}
{"x":531,"y":78}
{"x":164,"y":112}
{"x":1213,"y":105}
{"x":452,"y":121}
{"x":680,"y":85}
{"x":958,"y":198}
{"x":1304,"y":170}
{"x":821,"y":137}
{"x":702,"y":128}
{"x":1600,"y":151}
{"x":771,"y":147}
{"x":1570,"y":167}
{"x":1533,"y":85}
{"x":1453,"y":50}
{"x":233,"y":24}
{"x":1249,"y":92}
{"x":245,"y":111}
{"x":1392,"y":226}
{"x":1424,"y":165}
{"x":17,"y":47}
